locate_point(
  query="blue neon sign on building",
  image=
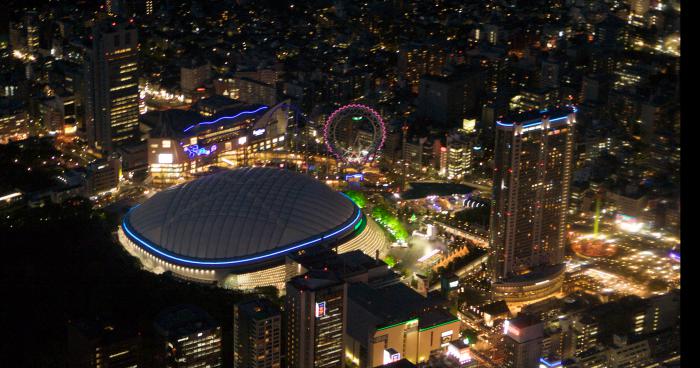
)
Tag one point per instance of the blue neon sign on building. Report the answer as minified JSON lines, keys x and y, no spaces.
{"x":194,"y":150}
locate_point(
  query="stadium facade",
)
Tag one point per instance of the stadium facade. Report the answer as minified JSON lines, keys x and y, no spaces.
{"x":235,"y":228}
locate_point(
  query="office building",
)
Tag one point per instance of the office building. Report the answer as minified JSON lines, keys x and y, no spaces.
{"x":352,"y":266}
{"x":441,"y":100}
{"x":183,"y":143}
{"x":395,"y":322}
{"x":93,"y":344}
{"x":459,"y":157}
{"x":250,"y":91}
{"x":532,"y":174}
{"x":416,"y":60}
{"x":194,"y":74}
{"x":111,"y":74}
{"x":584,"y":332}
{"x":523,"y":342}
{"x":103,"y":176}
{"x":533,"y":99}
{"x":187,"y":337}
{"x":14,"y":121}
{"x":316,"y":307}
{"x":257,"y":334}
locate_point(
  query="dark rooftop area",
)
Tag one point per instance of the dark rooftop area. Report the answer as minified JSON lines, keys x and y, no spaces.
{"x":183,"y":320}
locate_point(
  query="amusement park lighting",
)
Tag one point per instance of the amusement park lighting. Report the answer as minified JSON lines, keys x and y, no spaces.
{"x":346,"y":154}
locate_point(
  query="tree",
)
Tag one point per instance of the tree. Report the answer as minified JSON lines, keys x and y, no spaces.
{"x":357,"y":197}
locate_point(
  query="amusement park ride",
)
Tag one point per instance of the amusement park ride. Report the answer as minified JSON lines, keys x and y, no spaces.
{"x":354,"y":134}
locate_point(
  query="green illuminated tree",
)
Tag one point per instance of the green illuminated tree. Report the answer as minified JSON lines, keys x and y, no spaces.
{"x":357,"y":197}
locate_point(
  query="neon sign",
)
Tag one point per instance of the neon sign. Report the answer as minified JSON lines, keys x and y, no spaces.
{"x":545,"y":363}
{"x":350,"y":177}
{"x":227,"y":117}
{"x":194,"y":150}
{"x":259,"y":132}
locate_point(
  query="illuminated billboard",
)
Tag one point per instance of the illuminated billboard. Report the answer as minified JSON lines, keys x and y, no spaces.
{"x":320,"y":309}
{"x":390,"y":356}
{"x":628,"y":223}
{"x":507,"y":328}
{"x":468,"y":125}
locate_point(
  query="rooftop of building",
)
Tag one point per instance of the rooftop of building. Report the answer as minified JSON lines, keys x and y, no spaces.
{"x":532,"y":116}
{"x":315,"y":280}
{"x":524,"y":320}
{"x":258,"y":309}
{"x":227,"y":116}
{"x":393,"y":304}
{"x":459,"y":344}
{"x":183,"y":320}
{"x":102,"y":331}
{"x":170,"y":123}
{"x":344,"y":264}
{"x":496,"y":308}
{"x":434,"y":318}
{"x":216,"y":102}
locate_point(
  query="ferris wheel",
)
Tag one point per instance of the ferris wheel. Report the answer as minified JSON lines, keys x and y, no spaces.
{"x":354,"y":134}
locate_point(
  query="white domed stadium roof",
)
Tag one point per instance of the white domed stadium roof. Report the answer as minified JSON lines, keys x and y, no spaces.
{"x":240,"y":216}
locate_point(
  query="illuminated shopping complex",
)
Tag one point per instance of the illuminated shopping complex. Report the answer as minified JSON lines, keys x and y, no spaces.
{"x":235,"y":227}
{"x":183,"y":144}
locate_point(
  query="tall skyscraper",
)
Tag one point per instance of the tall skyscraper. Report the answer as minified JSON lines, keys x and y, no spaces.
{"x":188,"y":337}
{"x":112,"y":101}
{"x":531,"y":185}
{"x":257,"y":334}
{"x":32,"y":24}
{"x":316,"y":307}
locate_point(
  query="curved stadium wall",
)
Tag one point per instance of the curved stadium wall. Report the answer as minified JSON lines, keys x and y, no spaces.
{"x":262,"y":265}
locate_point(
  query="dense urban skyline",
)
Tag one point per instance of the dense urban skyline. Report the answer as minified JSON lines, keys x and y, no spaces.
{"x":334,"y":183}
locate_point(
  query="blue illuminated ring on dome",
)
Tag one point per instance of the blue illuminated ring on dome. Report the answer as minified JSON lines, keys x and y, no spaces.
{"x":146,"y":245}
